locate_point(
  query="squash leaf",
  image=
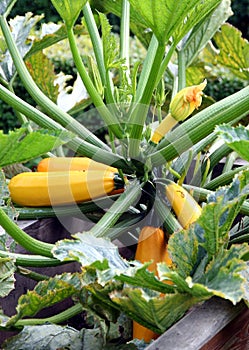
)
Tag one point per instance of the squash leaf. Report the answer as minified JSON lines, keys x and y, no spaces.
{"x":152,"y":311}
{"x":19,"y":146}
{"x":237,"y":138}
{"x":110,"y":45}
{"x":166,"y":20}
{"x":234,"y":51}
{"x":42,"y":72}
{"x":88,"y":250}
{"x":7,"y":278}
{"x":46,"y":293}
{"x":205,"y":30}
{"x":21,"y":26}
{"x":69,"y":10}
{"x":51,"y":34}
{"x":220,"y":212}
{"x":49,"y":336}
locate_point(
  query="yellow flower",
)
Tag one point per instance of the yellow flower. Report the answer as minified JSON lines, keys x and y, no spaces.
{"x":182,"y":105}
{"x":186,"y":101}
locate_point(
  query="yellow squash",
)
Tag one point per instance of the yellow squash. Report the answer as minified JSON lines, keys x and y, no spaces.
{"x":71,"y":163}
{"x":184,"y":205}
{"x":58,"y":188}
{"x":151,"y":246}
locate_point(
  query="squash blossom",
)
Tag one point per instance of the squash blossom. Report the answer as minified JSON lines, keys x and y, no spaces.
{"x":182,"y":105}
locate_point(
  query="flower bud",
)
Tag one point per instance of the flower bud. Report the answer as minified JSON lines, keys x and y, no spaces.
{"x":186,"y":101}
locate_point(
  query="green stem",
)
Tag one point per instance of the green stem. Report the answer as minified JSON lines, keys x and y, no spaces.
{"x":224,"y":179}
{"x":181,"y":70}
{"x":35,"y":276}
{"x":231,"y":158}
{"x":165,"y":63}
{"x":104,"y":227}
{"x":200,"y":125}
{"x":139,"y":113}
{"x":26,"y":213}
{"x":96,"y":40}
{"x":125,"y":36}
{"x":29,"y":243}
{"x":110,"y":119}
{"x":98,"y":52}
{"x":51,"y":108}
{"x":169,"y":221}
{"x":29,"y":260}
{"x":63,"y":316}
{"x":78,"y":145}
{"x":147,"y":65}
{"x":200,"y":194}
{"x":22,"y":118}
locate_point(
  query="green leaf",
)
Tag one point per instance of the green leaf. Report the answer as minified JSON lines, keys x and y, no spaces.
{"x":46,"y":293}
{"x":21,"y":26}
{"x":234,"y":51}
{"x":193,"y":16}
{"x":166,"y":19}
{"x":88,"y":250}
{"x":7,"y":278}
{"x":205,"y":30}
{"x":110,"y":45}
{"x":156,"y":313}
{"x":69,"y":10}
{"x":42,"y":71}
{"x":19,"y":146}
{"x":237,"y":138}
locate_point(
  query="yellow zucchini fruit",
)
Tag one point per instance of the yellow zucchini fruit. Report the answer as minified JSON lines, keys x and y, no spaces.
{"x":151,"y":246}
{"x":186,"y":208}
{"x":35,"y":189}
{"x":71,"y":163}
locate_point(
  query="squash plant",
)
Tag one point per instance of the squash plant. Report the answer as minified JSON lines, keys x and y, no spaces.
{"x":159,"y":124}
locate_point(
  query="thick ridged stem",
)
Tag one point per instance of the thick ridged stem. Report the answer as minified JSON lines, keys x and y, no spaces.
{"x":29,"y":243}
{"x":56,"y":319}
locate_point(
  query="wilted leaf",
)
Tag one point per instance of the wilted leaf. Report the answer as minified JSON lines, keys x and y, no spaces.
{"x":88,"y":250}
{"x":45,"y":294}
{"x":237,"y":138}
{"x":69,"y":10}
{"x":183,"y":247}
{"x":224,"y":274}
{"x":234,"y":50}
{"x":20,"y":29}
{"x":7,"y":278}
{"x":42,"y":72}
{"x":154,"y":312}
{"x":19,"y":146}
